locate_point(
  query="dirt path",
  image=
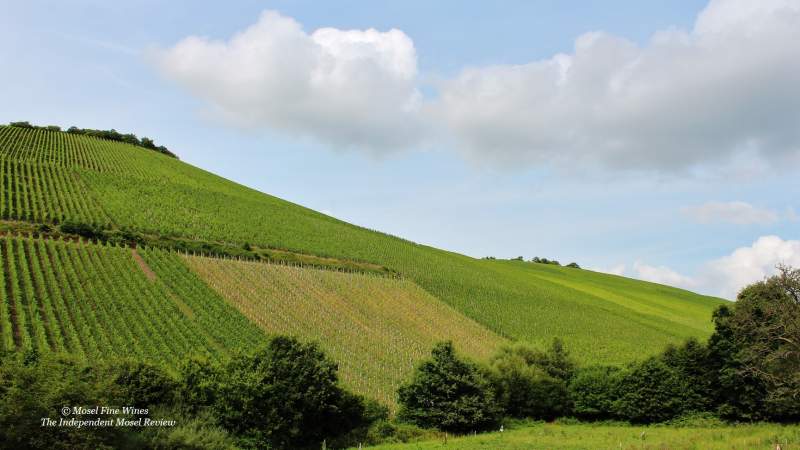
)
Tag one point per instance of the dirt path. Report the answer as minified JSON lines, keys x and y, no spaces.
{"x":148,"y":272}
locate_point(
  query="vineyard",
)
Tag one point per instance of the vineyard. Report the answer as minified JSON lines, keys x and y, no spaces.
{"x":376,"y":328}
{"x":97,"y":301}
{"x":602,"y":318}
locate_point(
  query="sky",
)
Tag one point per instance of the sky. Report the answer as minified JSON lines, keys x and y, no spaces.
{"x":658,"y":140}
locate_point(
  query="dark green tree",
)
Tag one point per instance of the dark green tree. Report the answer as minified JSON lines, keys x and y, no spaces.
{"x":449,"y":394}
{"x":651,"y":392}
{"x":691,"y":362}
{"x":284,"y":396}
{"x":594,"y":390}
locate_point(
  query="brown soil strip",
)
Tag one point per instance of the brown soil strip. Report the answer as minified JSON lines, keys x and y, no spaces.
{"x":148,"y":272}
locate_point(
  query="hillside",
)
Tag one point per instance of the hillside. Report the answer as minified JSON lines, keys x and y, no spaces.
{"x":378,"y":329}
{"x":50,"y":177}
{"x":95,"y":300}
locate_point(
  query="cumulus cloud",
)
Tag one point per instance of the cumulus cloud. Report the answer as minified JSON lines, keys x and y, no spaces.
{"x":348,"y":88}
{"x":722,"y":94}
{"x":662,"y":275}
{"x":724,"y":277}
{"x":748,"y":264}
{"x":740,"y":213}
{"x":619,"y":269}
{"x":725,"y":90}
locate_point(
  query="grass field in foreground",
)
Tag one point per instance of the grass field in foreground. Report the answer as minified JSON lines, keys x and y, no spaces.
{"x":602,"y":318}
{"x":376,"y":328}
{"x":616,"y":437}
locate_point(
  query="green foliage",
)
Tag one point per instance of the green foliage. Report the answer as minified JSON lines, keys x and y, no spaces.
{"x":755,"y":354}
{"x":690,"y":362}
{"x":192,"y":433}
{"x":86,"y":230}
{"x":651,"y":392}
{"x":594,"y":390}
{"x":142,"y":384}
{"x":112,"y":135}
{"x":282,"y":396}
{"x":531,"y":383}
{"x":386,"y":432}
{"x":33,"y":388}
{"x":449,"y":394}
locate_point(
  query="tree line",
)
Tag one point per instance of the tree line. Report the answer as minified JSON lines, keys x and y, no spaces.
{"x":749,"y":370}
{"x":112,"y":135}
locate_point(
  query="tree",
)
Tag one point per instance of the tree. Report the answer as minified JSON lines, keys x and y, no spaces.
{"x":651,"y":392}
{"x":764,"y":333}
{"x":449,"y":394}
{"x":285,"y":396}
{"x":526,"y":390}
{"x":690,"y":362}
{"x":593,"y":391}
{"x":573,"y":265}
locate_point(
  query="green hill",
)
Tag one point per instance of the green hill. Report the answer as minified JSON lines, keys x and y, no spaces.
{"x":52,"y":177}
{"x":377,"y":328}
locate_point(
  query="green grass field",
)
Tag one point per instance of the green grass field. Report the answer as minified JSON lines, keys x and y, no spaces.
{"x":602,"y":318}
{"x":615,"y":437}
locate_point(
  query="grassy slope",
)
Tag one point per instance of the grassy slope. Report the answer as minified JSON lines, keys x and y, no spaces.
{"x":615,"y":437}
{"x":97,"y":301}
{"x":378,"y":329}
{"x":602,"y":318}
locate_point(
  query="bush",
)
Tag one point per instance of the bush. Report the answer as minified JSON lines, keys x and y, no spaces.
{"x":651,"y":392}
{"x":142,"y":384}
{"x":593,"y":391}
{"x":284,"y":396}
{"x":34,"y":387}
{"x":449,"y":394}
{"x":690,"y":362}
{"x":530,"y":383}
{"x":86,"y":230}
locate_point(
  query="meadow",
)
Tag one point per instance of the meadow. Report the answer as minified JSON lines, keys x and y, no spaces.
{"x":615,"y":437}
{"x":602,"y":318}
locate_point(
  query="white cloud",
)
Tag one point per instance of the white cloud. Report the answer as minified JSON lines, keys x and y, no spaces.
{"x":662,"y":275}
{"x":349,"y":88}
{"x":724,"y":277}
{"x":725,"y":90}
{"x":748,"y":264}
{"x":619,"y":269}
{"x":740,"y":213}
{"x":722,"y":95}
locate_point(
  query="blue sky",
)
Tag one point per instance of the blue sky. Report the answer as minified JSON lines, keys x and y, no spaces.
{"x":650,"y":190}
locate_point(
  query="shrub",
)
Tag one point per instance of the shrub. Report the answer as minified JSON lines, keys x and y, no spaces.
{"x":141,"y":384}
{"x":593,"y":391}
{"x":690,"y":362}
{"x":86,"y":230}
{"x":285,"y":396}
{"x":530,"y":383}
{"x":651,"y":392}
{"x":448,"y":394}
